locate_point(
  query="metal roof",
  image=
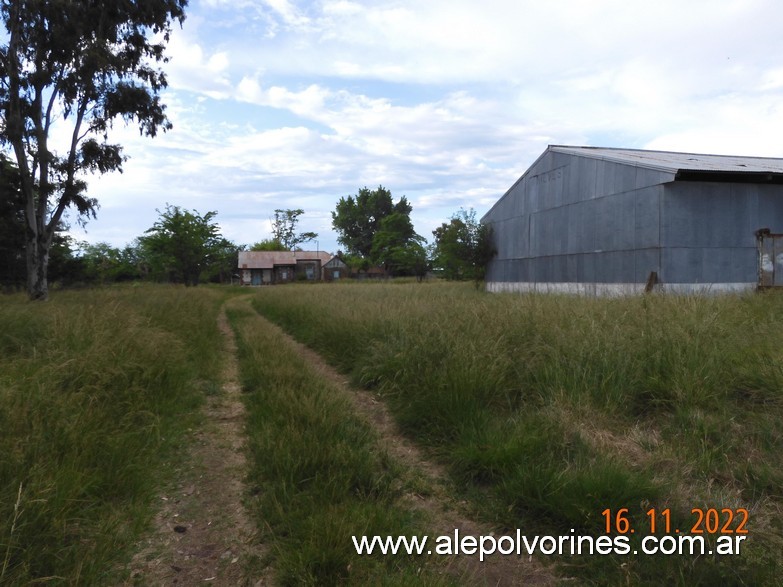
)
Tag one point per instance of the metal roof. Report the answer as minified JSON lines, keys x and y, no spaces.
{"x":268,"y":259}
{"x":674,"y":162}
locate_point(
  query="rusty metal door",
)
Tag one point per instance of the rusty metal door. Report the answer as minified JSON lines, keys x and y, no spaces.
{"x":770,"y":247}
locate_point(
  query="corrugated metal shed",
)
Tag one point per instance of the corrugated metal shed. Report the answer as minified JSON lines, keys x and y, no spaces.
{"x":603,"y":220}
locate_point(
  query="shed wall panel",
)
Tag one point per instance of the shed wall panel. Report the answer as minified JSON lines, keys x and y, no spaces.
{"x":578,"y":219}
{"x":770,"y":208}
{"x":646,"y":261}
{"x":625,"y":178}
{"x":649,"y":177}
{"x":647,"y":217}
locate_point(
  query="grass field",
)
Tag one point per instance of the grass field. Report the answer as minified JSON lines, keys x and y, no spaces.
{"x":96,"y":391}
{"x":551,"y":414}
{"x":550,"y":410}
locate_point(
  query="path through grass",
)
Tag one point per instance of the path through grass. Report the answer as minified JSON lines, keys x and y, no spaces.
{"x":202,"y":531}
{"x":550,"y":410}
{"x":543,"y":411}
{"x":331,"y":465}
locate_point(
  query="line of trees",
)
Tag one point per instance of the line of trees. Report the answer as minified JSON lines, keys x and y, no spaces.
{"x":87,"y":65}
{"x":463,"y":247}
{"x":185,"y":246}
{"x":182,"y":246}
{"x":377,"y":231}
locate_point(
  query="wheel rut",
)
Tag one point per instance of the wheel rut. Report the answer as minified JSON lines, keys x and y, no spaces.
{"x":202,"y":533}
{"x":445,"y":512}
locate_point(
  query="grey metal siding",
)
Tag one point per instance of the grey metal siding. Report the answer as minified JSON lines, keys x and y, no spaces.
{"x":577,"y":219}
{"x":647,"y":217}
{"x":611,"y":216}
{"x":708,"y":233}
{"x":770,"y":207}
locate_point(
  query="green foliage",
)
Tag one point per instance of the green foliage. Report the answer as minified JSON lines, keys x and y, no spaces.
{"x":377,"y":231}
{"x":97,"y":389}
{"x":355,"y":262}
{"x":284,"y":230}
{"x":102,"y":263}
{"x":97,"y":263}
{"x":182,"y":244}
{"x":358,"y":219}
{"x":12,"y":258}
{"x":550,"y":409}
{"x":398,"y":248}
{"x":64,"y":267}
{"x":222,"y":261}
{"x":463,"y":247}
{"x":269,"y":244}
{"x":83,"y":65}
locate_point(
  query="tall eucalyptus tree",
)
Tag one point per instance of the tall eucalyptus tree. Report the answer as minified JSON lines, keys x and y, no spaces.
{"x":77,"y":66}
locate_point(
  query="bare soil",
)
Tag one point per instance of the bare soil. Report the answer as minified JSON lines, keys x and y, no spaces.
{"x":203,"y":533}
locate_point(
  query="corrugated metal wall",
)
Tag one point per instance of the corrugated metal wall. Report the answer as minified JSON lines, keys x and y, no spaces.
{"x":574,"y":219}
{"x":709,"y":230}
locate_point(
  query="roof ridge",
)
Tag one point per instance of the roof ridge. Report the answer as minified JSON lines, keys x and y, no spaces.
{"x":662,"y":151}
{"x":674,"y":161}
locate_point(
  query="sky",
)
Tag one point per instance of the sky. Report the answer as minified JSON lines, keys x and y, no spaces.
{"x":295,"y":104}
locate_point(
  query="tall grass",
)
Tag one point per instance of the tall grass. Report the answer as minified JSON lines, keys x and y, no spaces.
{"x":551,"y":409}
{"x":96,"y":390}
{"x":319,"y":475}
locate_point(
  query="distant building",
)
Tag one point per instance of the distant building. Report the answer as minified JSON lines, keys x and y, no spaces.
{"x":610,"y":221}
{"x":270,"y":267}
{"x":335,"y":269}
{"x":372,"y":272}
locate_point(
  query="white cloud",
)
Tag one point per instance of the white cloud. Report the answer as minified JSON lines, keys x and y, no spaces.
{"x":772,"y":79}
{"x":308,"y":102}
{"x":286,"y":103}
{"x":458,"y":41}
{"x":341,"y":8}
{"x":288,"y":12}
{"x":192,"y":69}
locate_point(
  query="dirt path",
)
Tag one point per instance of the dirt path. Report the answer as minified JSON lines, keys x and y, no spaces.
{"x":445,"y":512}
{"x":202,"y":533}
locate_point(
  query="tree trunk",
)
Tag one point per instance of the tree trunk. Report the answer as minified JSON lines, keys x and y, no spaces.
{"x":37,"y":268}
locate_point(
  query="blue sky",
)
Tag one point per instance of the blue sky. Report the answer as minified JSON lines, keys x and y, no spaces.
{"x":294,"y":104}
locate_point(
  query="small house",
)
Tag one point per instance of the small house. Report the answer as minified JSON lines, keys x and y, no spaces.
{"x":335,"y":269}
{"x":271,"y":267}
